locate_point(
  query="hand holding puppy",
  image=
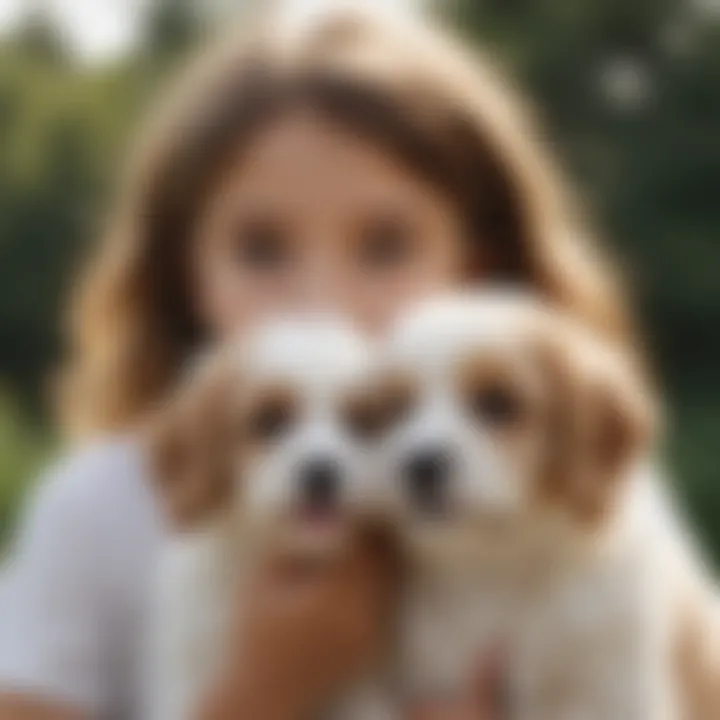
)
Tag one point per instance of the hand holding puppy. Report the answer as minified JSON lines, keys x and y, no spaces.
{"x":306,"y":630}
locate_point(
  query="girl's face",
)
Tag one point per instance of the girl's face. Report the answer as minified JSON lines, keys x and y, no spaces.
{"x":314,"y":218}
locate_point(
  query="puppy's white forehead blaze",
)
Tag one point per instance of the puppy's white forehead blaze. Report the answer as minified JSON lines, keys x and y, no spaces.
{"x":310,"y":367}
{"x":316,"y":356}
{"x":460,"y":326}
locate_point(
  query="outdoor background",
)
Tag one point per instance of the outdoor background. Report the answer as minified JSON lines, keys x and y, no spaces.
{"x":629,"y":91}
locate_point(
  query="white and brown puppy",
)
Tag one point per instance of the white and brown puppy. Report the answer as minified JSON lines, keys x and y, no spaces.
{"x":262,"y":448}
{"x":519,"y":448}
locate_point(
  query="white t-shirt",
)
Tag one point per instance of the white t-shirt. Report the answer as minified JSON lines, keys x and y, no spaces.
{"x":75,"y":588}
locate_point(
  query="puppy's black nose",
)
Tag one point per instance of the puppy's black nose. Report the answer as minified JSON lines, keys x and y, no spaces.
{"x":320,"y":482}
{"x":426,"y":475}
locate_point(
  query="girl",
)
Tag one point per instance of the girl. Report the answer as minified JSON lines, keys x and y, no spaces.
{"x":351,"y":161}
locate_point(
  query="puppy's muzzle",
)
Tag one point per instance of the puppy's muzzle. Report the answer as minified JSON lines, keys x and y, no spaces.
{"x":427,"y":476}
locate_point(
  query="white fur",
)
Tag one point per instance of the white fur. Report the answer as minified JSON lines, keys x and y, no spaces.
{"x":586,"y":626}
{"x":586,"y":620}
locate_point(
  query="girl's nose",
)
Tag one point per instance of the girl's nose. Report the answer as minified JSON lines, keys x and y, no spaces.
{"x":319,"y":287}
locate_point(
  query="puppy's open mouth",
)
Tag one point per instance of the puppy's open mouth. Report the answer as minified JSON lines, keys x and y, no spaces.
{"x":435,"y":504}
{"x":319,"y":516}
{"x":435,"y":511}
{"x":320,"y":521}
{"x":319,"y":531}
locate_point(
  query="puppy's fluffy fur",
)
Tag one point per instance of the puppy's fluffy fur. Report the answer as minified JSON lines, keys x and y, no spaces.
{"x":519,"y":453}
{"x":262,"y":448}
{"x":517,"y":460}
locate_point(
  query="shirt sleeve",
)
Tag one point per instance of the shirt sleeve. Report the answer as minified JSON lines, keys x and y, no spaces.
{"x":54,"y":610}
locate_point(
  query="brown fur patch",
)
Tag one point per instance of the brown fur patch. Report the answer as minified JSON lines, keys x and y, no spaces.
{"x":378,"y":405}
{"x":191,"y":447}
{"x":268,"y":411}
{"x":599,"y":419}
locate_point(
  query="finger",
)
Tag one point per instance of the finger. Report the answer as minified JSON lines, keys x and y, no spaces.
{"x":285,"y":573}
{"x":491,"y":687}
{"x":378,"y":542}
{"x":371,"y":566}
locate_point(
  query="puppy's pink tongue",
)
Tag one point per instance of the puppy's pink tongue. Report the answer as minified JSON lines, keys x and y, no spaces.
{"x":320,"y":534}
{"x":320,"y":515}
{"x":321,"y":523}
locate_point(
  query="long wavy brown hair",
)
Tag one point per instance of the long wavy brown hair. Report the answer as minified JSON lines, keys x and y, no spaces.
{"x":402,"y":85}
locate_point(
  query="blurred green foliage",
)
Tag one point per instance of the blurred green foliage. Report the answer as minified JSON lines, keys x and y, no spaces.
{"x":23,"y":450}
{"x":629,"y":93}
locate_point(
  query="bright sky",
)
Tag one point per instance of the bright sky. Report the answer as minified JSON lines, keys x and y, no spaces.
{"x":99,"y":29}
{"x":103,"y":29}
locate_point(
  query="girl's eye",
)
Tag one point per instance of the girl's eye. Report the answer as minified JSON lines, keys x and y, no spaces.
{"x":386,"y":242}
{"x":270,"y":421}
{"x":496,"y":405}
{"x":262,"y":244}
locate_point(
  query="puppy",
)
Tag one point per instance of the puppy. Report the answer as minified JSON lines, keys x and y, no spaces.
{"x":261,"y":449}
{"x":516,"y":458}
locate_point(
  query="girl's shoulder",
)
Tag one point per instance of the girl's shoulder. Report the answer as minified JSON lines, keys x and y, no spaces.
{"x":79,"y":570}
{"x":102,"y":476}
{"x":98,"y":493}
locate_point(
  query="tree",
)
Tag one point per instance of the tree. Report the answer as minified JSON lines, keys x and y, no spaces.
{"x":38,"y":36}
{"x":173,"y":27}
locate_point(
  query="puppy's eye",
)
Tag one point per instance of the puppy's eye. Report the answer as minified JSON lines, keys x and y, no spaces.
{"x":497,"y":405}
{"x":270,"y":420}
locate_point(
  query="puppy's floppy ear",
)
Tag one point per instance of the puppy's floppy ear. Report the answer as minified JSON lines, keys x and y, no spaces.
{"x":619,"y":430}
{"x":601,"y":419}
{"x":191,"y":446}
